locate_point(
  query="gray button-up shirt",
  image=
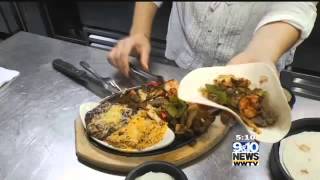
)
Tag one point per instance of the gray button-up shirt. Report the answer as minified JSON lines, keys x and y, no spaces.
{"x":210,"y":33}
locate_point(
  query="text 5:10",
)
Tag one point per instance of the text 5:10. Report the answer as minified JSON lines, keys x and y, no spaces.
{"x":245,"y":137}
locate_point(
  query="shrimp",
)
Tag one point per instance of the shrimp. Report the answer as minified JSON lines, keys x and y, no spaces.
{"x":250,"y":106}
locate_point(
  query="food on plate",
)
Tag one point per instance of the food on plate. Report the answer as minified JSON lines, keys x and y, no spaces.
{"x":155,"y":176}
{"x":305,"y":148}
{"x":161,"y":102}
{"x":141,"y":132}
{"x":236,"y":94}
{"x":106,"y":119}
{"x":196,"y":120}
{"x":140,"y":117}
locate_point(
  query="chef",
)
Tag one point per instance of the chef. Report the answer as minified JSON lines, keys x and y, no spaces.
{"x":202,"y":34}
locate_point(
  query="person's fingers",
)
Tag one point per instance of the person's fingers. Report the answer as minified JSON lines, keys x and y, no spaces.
{"x":118,"y":52}
{"x":124,"y":57}
{"x":124,"y":68}
{"x":144,"y":57}
{"x":111,"y":56}
{"x":116,"y":55}
{"x":119,"y":56}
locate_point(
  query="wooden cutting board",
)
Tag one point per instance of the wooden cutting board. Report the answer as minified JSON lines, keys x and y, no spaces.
{"x":96,"y":157}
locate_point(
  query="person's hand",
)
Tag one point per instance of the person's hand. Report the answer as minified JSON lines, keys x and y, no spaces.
{"x":137,"y":44}
{"x":245,"y":57}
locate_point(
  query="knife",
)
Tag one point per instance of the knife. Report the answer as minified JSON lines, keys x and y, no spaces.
{"x":81,"y":77}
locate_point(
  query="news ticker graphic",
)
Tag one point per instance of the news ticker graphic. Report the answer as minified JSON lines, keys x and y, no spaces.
{"x":245,"y":151}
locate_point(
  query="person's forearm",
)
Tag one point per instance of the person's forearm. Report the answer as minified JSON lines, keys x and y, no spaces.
{"x":143,"y":18}
{"x":272,"y":40}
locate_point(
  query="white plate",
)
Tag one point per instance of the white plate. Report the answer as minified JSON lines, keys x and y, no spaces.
{"x":167,"y":139}
{"x":189,"y":90}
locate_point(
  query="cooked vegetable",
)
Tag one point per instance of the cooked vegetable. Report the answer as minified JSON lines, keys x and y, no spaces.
{"x":217,"y":94}
{"x":175,"y":107}
{"x":235,"y":93}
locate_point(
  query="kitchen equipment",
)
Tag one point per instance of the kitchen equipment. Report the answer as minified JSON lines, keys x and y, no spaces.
{"x":305,"y":85}
{"x":112,"y":82}
{"x":146,"y":76}
{"x":103,"y":81}
{"x":298,"y":126}
{"x":81,"y":77}
{"x":157,"y":166}
{"x":99,"y":85}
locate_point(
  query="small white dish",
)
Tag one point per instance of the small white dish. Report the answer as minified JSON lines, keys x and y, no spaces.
{"x":167,"y":139}
{"x":189,"y":90}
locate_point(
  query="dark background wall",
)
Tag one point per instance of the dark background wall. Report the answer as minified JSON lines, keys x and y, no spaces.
{"x":307,"y":56}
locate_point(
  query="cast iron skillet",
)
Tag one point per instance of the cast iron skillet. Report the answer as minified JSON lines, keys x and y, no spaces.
{"x":157,"y":166}
{"x":177,"y":143}
{"x":298,"y":126}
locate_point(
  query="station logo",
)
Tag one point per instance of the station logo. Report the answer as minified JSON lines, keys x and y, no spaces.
{"x":245,"y":151}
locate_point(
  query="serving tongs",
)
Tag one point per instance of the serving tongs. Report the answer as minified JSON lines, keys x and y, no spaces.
{"x":146,"y":76}
{"x":139,"y":74}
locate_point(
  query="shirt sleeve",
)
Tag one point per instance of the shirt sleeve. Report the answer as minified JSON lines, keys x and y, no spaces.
{"x":158,"y":3}
{"x":301,"y":15}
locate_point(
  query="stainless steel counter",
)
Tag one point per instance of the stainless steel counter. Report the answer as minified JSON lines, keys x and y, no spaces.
{"x":38,"y":109}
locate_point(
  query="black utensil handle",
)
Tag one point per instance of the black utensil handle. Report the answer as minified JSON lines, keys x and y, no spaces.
{"x":67,"y":69}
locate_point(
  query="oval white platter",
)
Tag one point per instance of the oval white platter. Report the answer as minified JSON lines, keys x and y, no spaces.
{"x":167,"y":139}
